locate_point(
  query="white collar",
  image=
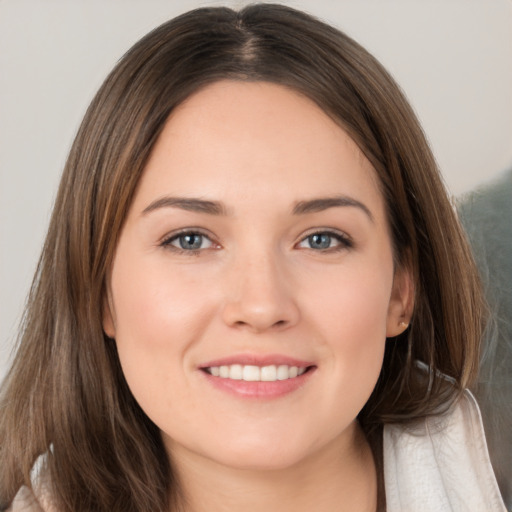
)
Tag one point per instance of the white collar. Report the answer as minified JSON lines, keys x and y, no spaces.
{"x":440,"y":464}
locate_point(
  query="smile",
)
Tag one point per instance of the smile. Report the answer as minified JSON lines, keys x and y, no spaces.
{"x":258,"y":376}
{"x":252,"y":373}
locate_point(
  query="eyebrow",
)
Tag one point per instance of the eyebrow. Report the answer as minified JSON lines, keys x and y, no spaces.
{"x":217,"y":208}
{"x":324,"y":203}
{"x":190,"y":204}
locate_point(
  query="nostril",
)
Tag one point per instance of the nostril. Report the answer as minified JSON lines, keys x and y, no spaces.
{"x":280,"y":323}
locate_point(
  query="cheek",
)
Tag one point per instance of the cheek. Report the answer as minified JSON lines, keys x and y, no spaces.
{"x":353,"y":304}
{"x":158,"y":316}
{"x":351,"y":317}
{"x":153,"y":301}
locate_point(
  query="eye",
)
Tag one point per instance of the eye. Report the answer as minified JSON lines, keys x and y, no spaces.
{"x":325,"y":241}
{"x":188,"y":241}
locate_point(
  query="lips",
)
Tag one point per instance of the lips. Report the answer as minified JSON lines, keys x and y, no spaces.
{"x":257,"y":376}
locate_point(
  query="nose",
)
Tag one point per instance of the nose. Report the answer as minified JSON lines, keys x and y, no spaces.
{"x":260,"y":296}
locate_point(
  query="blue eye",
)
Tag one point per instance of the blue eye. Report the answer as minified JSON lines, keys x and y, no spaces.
{"x":188,"y":241}
{"x":320,"y":241}
{"x":325,"y":241}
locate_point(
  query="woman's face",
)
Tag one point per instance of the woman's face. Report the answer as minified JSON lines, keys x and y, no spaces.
{"x":253,"y":286}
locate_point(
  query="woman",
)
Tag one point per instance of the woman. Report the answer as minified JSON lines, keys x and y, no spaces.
{"x":254,"y":293}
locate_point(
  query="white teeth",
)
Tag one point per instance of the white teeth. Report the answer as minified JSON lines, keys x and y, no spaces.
{"x":252,"y":373}
{"x":235,"y":372}
{"x":283,"y":372}
{"x":268,"y":373}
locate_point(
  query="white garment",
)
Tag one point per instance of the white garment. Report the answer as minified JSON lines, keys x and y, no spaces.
{"x":441,"y":464}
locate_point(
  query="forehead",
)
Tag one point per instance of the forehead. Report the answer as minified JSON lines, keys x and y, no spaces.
{"x":259,"y":140}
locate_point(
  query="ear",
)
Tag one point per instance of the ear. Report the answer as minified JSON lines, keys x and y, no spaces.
{"x":401,"y":303}
{"x":107,"y":316}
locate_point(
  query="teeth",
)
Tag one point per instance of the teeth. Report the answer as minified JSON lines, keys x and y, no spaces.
{"x":235,"y":372}
{"x":253,"y":373}
{"x":282,"y":372}
{"x":269,"y":373}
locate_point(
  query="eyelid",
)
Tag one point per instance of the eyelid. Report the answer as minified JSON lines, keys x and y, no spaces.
{"x":166,"y":240}
{"x":343,"y":238}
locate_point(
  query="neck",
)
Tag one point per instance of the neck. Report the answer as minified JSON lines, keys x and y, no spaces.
{"x":341,"y":477}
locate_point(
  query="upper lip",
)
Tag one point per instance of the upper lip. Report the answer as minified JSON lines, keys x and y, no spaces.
{"x":257,"y":360}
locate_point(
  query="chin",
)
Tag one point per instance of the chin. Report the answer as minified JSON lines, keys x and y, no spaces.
{"x":272,"y":452}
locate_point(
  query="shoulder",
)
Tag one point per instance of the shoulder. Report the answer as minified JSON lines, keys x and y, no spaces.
{"x":440,"y":463}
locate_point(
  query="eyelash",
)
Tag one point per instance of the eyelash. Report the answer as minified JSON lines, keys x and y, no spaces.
{"x":167,"y":242}
{"x":343,"y":241}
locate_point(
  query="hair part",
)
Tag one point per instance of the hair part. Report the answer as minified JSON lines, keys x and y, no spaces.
{"x":65,"y":395}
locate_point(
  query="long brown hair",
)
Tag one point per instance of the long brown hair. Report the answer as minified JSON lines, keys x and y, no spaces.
{"x":65,"y":395}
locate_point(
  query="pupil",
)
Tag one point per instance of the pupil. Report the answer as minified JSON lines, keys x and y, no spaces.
{"x":320,"y":241}
{"x":191,"y":241}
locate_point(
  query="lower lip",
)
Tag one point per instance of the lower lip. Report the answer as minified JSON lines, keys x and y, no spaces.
{"x":258,"y":389}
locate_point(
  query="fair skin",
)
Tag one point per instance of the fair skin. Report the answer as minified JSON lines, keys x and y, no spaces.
{"x":258,"y":238}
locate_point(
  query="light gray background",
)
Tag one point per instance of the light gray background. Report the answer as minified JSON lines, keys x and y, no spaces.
{"x":452,"y":57}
